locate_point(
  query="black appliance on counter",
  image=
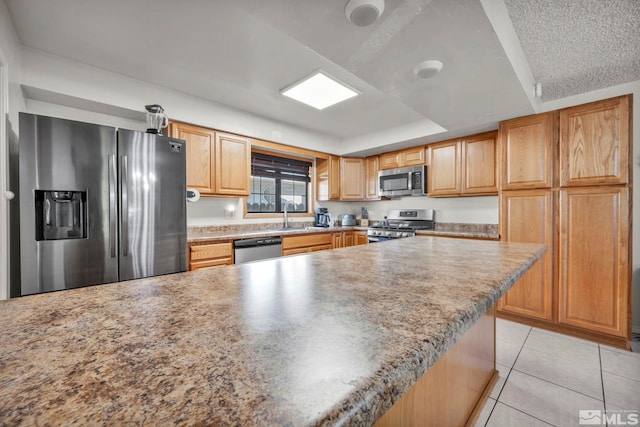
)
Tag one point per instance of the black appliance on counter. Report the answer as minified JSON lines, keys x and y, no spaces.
{"x":322,"y":217}
{"x":401,"y":223}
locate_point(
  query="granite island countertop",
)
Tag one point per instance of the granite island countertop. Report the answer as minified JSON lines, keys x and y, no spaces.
{"x":332,"y":337}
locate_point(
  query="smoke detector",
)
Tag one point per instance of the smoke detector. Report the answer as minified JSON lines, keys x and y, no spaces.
{"x":428,"y":69}
{"x":364,"y":12}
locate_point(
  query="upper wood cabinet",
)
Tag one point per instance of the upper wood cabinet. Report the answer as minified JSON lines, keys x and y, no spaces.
{"x":218,"y":164}
{"x":463,"y":167}
{"x":594,"y":143}
{"x":328,"y":178}
{"x":200,"y":154}
{"x":233,"y":165}
{"x":352,"y":178}
{"x":594,"y":259}
{"x":527,"y":217}
{"x":444,"y":169}
{"x":529,"y":148}
{"x":479,"y":168}
{"x":372,"y":167}
{"x":413,"y":156}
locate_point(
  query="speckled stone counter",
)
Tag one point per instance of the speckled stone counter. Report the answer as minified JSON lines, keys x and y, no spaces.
{"x":333,"y":337}
{"x":215,"y":234}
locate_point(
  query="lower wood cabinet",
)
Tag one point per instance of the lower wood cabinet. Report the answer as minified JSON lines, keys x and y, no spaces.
{"x":205,"y":255}
{"x":343,"y":239}
{"x":527,"y":217}
{"x":594,"y":259}
{"x":305,"y":243}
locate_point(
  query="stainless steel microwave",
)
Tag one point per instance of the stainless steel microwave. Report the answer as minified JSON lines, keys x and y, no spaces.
{"x":410,"y":181}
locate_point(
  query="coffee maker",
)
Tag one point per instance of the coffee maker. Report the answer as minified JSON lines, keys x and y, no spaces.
{"x":322,"y":217}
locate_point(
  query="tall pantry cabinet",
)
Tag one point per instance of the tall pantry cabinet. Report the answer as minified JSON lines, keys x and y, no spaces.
{"x":578,"y":203}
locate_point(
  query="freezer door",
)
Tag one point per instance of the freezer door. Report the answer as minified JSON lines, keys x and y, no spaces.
{"x":153,"y":223}
{"x":68,"y":212}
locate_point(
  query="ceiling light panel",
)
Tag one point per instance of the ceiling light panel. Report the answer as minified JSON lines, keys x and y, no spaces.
{"x":319,"y":91}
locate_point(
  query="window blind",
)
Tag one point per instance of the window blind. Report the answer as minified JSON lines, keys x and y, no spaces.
{"x":267,"y":166}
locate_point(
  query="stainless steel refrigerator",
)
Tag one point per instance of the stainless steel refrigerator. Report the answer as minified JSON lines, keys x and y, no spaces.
{"x":98,"y":205}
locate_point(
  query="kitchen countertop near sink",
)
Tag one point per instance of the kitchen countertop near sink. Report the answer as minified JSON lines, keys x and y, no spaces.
{"x":313,"y":339}
{"x":247,"y":231}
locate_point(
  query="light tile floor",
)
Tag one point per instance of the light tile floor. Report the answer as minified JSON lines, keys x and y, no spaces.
{"x":546,"y":378}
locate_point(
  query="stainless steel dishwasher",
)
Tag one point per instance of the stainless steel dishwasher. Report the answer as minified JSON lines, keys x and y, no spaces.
{"x":248,"y":250}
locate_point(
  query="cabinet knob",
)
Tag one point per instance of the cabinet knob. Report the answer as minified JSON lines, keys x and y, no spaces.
{"x":9,"y":195}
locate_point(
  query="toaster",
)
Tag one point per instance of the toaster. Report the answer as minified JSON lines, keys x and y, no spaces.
{"x":347,"y":219}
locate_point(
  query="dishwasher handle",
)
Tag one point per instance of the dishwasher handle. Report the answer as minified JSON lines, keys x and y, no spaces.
{"x":260,"y":241}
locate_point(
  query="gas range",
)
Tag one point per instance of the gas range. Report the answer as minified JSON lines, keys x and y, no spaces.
{"x":401,"y":223}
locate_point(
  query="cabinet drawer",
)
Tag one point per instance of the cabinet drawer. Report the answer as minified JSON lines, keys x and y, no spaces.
{"x":213,"y":250}
{"x":198,"y":265}
{"x":306,"y":241}
{"x":320,"y":248}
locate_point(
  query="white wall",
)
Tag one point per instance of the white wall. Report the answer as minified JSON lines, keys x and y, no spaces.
{"x":609,"y":92}
{"x":11,"y":102}
{"x":472,"y":210}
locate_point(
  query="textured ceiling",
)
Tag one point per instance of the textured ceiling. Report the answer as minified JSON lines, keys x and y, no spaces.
{"x":576,"y":46}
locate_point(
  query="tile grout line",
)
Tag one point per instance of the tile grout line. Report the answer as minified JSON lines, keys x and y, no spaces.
{"x":560,"y":385}
{"x":507,"y":378}
{"x":528,"y":415}
{"x":604,"y":398}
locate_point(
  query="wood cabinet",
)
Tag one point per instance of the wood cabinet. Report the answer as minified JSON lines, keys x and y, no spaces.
{"x":232,"y":165}
{"x":527,"y":217}
{"x":444,"y":174}
{"x":479,"y":166}
{"x":594,"y":143}
{"x":306,"y":243}
{"x":352,"y":178}
{"x":361,"y":238}
{"x":528,"y":152}
{"x":200,"y":154}
{"x":218,"y":164}
{"x":581,"y":155}
{"x":328,"y":178}
{"x":372,"y":167}
{"x":343,"y":239}
{"x":413,"y":156}
{"x":209,"y":254}
{"x":593,"y":257}
{"x":463,"y":167}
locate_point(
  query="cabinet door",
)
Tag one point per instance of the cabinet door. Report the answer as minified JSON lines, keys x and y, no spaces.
{"x":390,"y":160}
{"x":479,"y":163}
{"x":352,"y":179}
{"x":328,"y":178}
{"x":527,"y":217}
{"x":349,"y":238}
{"x":444,"y":170}
{"x":372,"y":167}
{"x":594,"y":143}
{"x":200,"y":143}
{"x":337,"y":240}
{"x":362,"y":238}
{"x":412,"y":156}
{"x":593,"y":259}
{"x":233,"y":165}
{"x":528,"y":146}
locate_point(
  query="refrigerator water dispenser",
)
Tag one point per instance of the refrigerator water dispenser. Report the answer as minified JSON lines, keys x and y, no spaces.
{"x":61,"y":215}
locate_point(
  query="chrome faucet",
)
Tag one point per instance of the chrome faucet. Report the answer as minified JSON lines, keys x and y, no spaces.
{"x":285,"y":214}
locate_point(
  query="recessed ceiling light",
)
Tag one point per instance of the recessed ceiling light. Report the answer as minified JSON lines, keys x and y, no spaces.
{"x":363,"y":12}
{"x":319,"y":91}
{"x":428,"y":69}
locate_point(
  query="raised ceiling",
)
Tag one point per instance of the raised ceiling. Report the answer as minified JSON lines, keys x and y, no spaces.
{"x":576,"y":46}
{"x":242,"y":52}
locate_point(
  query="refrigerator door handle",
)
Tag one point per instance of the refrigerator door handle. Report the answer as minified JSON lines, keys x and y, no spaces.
{"x":113,"y":190}
{"x":124,"y":212}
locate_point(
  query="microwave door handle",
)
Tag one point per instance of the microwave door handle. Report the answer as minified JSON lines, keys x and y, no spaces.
{"x":410,"y":181}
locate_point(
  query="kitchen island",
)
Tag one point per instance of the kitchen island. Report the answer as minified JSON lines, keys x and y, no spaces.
{"x":333,"y":337}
